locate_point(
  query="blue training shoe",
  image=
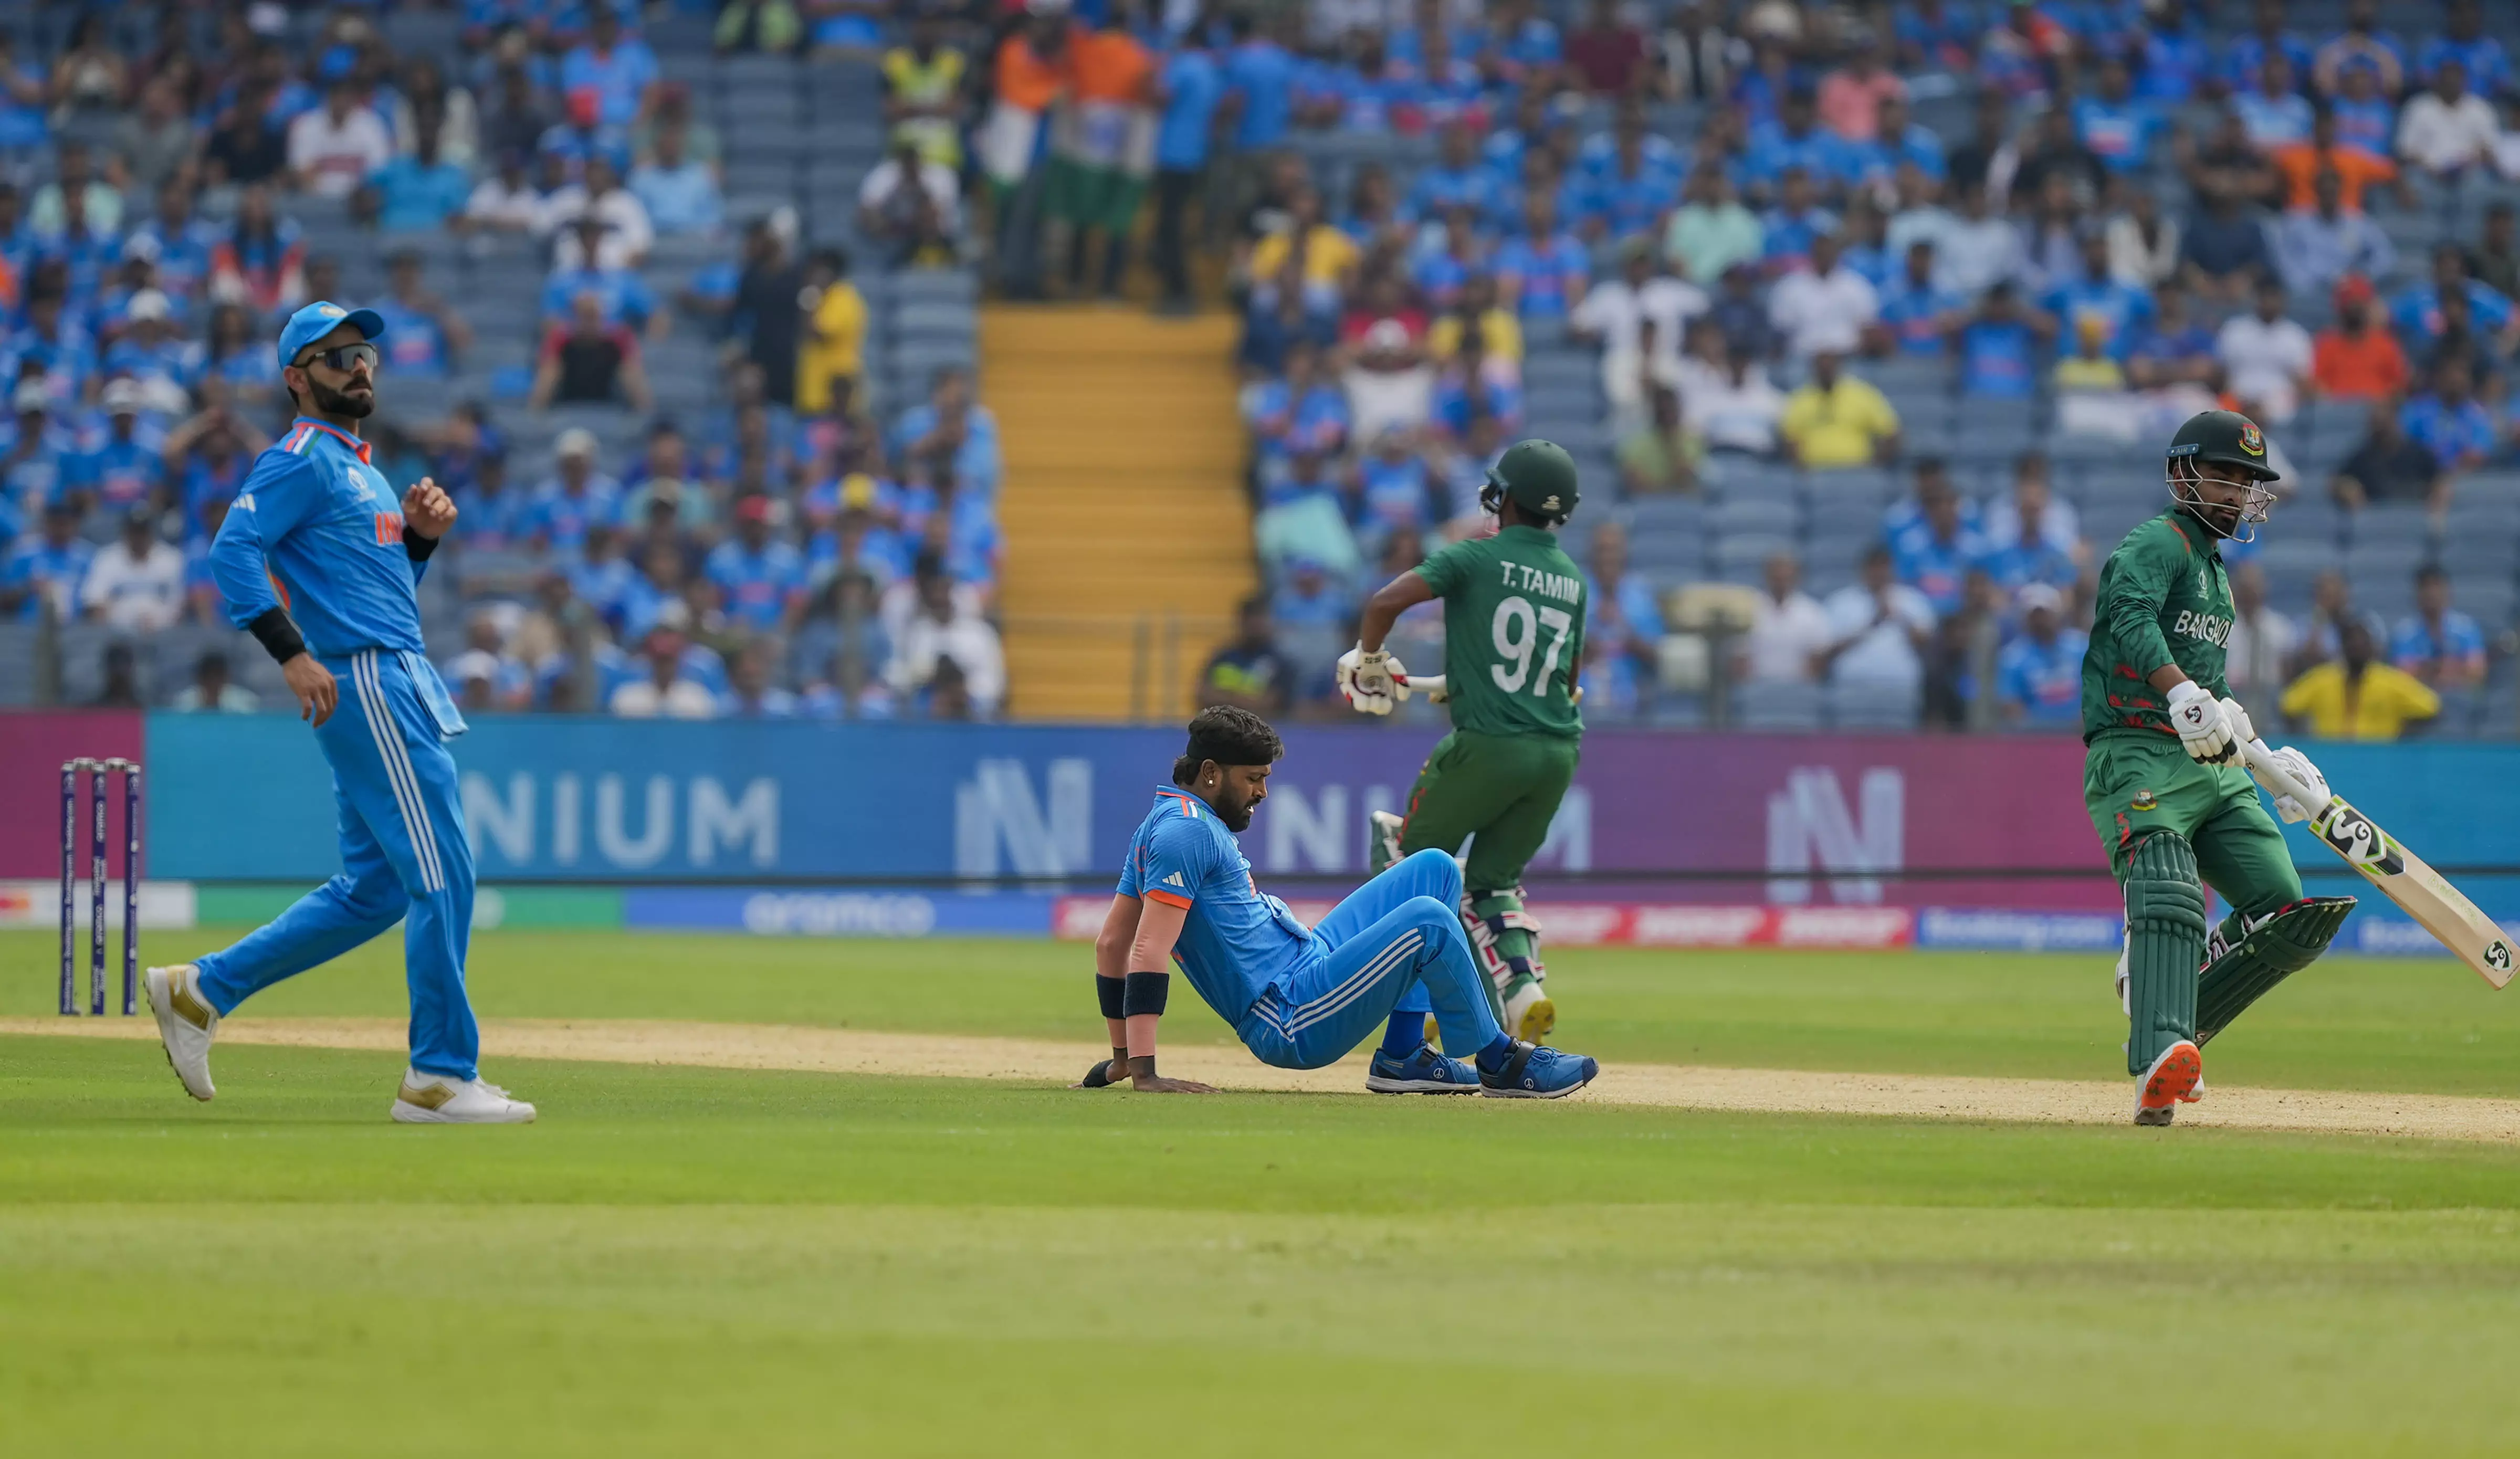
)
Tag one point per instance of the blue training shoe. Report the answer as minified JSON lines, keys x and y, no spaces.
{"x":1426,"y":1071}
{"x":1536,"y":1072}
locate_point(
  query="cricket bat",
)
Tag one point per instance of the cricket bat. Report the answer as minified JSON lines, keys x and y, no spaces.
{"x":1429,"y":685}
{"x":2400,"y":874}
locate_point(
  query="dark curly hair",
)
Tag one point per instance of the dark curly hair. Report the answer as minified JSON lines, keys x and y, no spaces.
{"x":1230,"y":736}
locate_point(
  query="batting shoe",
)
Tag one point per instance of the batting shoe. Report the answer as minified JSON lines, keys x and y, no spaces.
{"x":442,"y":1099}
{"x":1529,"y":1013}
{"x":1532,"y":1071}
{"x":1427,"y":1072}
{"x":186,"y":1025}
{"x":2172,"y":1077}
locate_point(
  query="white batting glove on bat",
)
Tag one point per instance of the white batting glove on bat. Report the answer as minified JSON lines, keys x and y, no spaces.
{"x":2243,"y":729}
{"x":2298,"y":766}
{"x":1373,"y":682}
{"x":2203,"y":731}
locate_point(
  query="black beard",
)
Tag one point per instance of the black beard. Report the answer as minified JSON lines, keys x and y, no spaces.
{"x":332,"y":402}
{"x":1237,"y":819}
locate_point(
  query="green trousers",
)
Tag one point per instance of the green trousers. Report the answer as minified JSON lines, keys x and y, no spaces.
{"x":1498,"y":793}
{"x":2138,"y":786}
{"x":2134,"y":786}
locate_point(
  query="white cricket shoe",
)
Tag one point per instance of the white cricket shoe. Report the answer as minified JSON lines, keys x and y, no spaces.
{"x":186,"y":1025}
{"x":439,"y":1099}
{"x":1529,"y":1013}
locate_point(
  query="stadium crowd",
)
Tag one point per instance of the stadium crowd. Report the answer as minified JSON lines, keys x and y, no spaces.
{"x":1864,"y":320}
{"x":685,"y":488}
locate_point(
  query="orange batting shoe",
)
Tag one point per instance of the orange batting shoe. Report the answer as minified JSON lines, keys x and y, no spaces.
{"x":2172,"y":1077}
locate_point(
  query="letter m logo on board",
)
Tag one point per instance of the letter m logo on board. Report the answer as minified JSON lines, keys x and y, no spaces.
{"x":1811,"y":828}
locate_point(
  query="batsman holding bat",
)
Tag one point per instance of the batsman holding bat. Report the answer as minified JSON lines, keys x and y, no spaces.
{"x":2164,"y":778}
{"x":1514,"y":646}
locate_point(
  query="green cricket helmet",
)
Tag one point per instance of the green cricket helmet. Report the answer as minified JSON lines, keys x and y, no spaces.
{"x":2226,"y":438}
{"x":1536,"y":476}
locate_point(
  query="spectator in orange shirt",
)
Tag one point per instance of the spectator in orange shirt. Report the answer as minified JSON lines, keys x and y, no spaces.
{"x":1097,"y":174}
{"x":1851,"y":97}
{"x":2301,"y":163}
{"x":2354,"y":360}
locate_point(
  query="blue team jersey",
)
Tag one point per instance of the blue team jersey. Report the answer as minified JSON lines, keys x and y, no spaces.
{"x":318,"y":531}
{"x":1235,"y":944}
{"x":2045,"y":682}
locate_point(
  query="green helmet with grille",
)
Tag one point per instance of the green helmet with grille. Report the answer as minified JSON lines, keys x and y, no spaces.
{"x":2227,"y":436}
{"x":1538,"y":477}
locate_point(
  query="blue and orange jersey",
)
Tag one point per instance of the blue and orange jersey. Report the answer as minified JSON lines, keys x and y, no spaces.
{"x":1236,"y":942}
{"x":317,"y":530}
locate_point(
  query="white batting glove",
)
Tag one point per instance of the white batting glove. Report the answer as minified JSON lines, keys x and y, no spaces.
{"x":2298,"y":765}
{"x":1373,"y":682}
{"x":2244,"y":730}
{"x":2203,"y":731}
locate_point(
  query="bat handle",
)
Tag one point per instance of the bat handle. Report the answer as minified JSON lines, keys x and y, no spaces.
{"x":2273,"y":776}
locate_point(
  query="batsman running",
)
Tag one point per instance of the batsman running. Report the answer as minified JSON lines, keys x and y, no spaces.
{"x":2164,"y":780}
{"x":1300,"y":997}
{"x":1513,"y":647}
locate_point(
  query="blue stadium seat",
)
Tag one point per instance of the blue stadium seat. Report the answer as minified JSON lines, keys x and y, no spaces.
{"x":1872,"y":707}
{"x":1769,"y":704}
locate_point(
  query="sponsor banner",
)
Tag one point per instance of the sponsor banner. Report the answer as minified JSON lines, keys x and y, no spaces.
{"x":2005,"y":928}
{"x":1778,"y":820}
{"x":2396,"y":936}
{"x":32,"y":745}
{"x":837,"y":913}
{"x":39,"y":904}
{"x":244,"y":905}
{"x":1629,"y":925}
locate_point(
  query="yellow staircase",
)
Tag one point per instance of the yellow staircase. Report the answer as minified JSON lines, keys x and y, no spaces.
{"x":1128,"y":536}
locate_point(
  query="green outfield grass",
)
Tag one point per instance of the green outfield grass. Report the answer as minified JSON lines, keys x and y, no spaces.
{"x":683,"y":1261}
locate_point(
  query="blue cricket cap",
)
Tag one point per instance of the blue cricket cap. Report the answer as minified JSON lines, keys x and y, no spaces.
{"x":321,"y":318}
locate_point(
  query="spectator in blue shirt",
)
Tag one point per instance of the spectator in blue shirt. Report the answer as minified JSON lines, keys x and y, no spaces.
{"x":123,"y":473}
{"x":1901,"y":142}
{"x":2275,"y":113}
{"x":1458,"y":179}
{"x":2437,"y":643}
{"x":2416,"y":312}
{"x":1936,"y":34}
{"x":1260,"y":82}
{"x":25,"y":104}
{"x":46,"y":569}
{"x":2039,"y":675}
{"x":2362,"y":43}
{"x":2363,"y":117}
{"x":1919,"y":314}
{"x":1798,"y":141}
{"x":576,"y":496}
{"x":1999,"y":347}
{"x":422,"y":336}
{"x":2267,"y":36}
{"x":760,"y":580}
{"x":1310,"y":598}
{"x":2175,"y":62}
{"x":679,"y":191}
{"x":1791,"y":227}
{"x":2223,"y":250}
{"x":2122,"y":312}
{"x":2177,"y":349}
{"x":2116,"y":126}
{"x":1934,"y":553}
{"x":1190,"y":90}
{"x":2488,"y":65}
{"x":624,"y":293}
{"x":2451,"y":422}
{"x":618,"y":71}
{"x":419,"y":190}
{"x":1542,"y":273}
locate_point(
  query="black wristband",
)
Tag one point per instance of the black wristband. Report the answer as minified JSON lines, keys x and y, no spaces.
{"x":1145,"y":993}
{"x":279,"y":634}
{"x":1112,"y":991}
{"x":1142,"y":1065}
{"x":418,"y":546}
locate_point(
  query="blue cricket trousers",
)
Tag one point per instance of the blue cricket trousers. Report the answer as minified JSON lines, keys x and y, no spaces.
{"x":404,"y":857}
{"x":1395,"y":945}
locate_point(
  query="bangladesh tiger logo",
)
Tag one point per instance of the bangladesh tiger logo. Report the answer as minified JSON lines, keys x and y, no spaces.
{"x":2251,"y":441}
{"x":2143,"y":800}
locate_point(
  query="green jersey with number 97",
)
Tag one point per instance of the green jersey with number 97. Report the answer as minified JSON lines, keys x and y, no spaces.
{"x":1513,"y":633}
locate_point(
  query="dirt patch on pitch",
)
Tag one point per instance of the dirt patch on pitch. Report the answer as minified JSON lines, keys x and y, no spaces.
{"x":1676,"y":1086}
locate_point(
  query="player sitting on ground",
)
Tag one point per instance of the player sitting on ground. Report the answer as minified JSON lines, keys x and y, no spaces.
{"x":2163,"y":780}
{"x":1514,"y":608}
{"x":1300,"y":998}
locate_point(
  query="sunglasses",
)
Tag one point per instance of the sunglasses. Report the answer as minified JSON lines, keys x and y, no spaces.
{"x":343,"y":358}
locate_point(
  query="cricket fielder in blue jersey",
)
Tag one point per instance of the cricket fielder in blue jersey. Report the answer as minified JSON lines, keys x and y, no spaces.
{"x":319,"y":561}
{"x":1300,"y":997}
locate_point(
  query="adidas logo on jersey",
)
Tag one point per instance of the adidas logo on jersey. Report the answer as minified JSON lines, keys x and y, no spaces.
{"x":1175,"y":880}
